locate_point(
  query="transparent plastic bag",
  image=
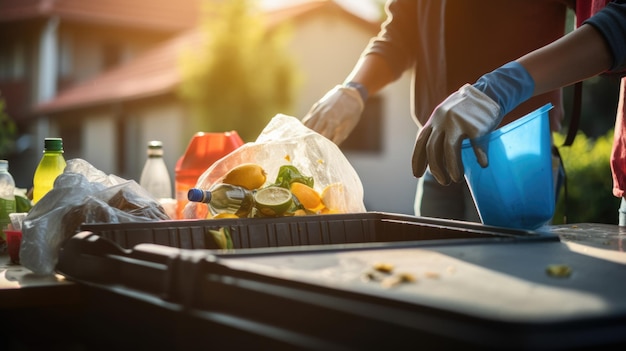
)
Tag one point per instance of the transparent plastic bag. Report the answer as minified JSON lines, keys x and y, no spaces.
{"x":286,"y":141}
{"x":82,"y":194}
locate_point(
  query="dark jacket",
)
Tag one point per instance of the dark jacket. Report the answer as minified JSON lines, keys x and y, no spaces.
{"x":447,"y":43}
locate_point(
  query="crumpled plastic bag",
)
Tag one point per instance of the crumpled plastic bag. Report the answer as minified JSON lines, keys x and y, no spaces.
{"x":82,"y":194}
{"x":286,"y":141}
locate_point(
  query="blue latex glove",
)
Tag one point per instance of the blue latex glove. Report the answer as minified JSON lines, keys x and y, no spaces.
{"x":471,"y":112}
{"x":509,"y":86}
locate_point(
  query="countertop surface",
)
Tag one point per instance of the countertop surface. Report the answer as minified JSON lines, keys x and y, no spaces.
{"x":21,"y":288}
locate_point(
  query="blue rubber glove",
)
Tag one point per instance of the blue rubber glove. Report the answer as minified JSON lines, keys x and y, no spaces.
{"x":509,"y":86}
{"x":471,"y":112}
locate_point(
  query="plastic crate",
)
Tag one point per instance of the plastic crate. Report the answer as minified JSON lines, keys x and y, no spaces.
{"x":249,"y":233}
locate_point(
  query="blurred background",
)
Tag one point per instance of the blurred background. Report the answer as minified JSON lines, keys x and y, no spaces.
{"x":108,"y":76}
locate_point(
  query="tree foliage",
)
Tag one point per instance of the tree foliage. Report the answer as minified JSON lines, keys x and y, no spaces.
{"x":589,"y":183}
{"x":8,"y":131}
{"x":241,"y":74}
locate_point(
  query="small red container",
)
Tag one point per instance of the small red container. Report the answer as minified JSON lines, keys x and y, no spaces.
{"x":203,"y":150}
{"x":14,"y":240}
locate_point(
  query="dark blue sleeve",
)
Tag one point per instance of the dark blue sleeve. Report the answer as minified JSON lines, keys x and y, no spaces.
{"x":611,"y":23}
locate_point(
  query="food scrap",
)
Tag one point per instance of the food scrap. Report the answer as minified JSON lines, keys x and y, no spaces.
{"x":558,"y":271}
{"x":383,"y":267}
{"x":431,"y":275}
{"x":291,"y":194}
{"x":383,"y":272}
{"x":397,"y":279}
{"x":222,"y":238}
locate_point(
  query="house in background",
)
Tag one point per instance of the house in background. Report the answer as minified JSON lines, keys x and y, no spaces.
{"x":108,"y":117}
{"x":49,"y":46}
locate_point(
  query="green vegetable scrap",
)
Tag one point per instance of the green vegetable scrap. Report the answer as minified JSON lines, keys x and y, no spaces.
{"x":222,"y":238}
{"x":288,"y":174}
{"x":558,"y":270}
{"x":22,"y":204}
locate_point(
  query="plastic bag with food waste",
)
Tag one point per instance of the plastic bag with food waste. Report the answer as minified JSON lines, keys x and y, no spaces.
{"x":81,"y":194}
{"x":286,"y":141}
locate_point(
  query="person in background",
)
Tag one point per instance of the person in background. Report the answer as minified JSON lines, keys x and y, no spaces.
{"x":597,"y":46}
{"x":444,"y":44}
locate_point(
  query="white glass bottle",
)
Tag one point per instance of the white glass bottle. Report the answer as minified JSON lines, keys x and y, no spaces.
{"x":155,"y":178}
{"x":7,"y":196}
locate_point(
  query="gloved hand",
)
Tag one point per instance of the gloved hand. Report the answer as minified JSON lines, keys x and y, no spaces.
{"x":471,"y":112}
{"x":336,"y":114}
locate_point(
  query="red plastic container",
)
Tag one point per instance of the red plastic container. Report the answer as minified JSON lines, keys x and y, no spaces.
{"x":14,"y":241}
{"x":203,"y":150}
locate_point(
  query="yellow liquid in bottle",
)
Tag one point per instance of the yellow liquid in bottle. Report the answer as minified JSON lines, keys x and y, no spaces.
{"x":51,"y":165}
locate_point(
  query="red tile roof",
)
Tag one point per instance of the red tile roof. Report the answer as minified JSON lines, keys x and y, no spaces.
{"x":156,"y":14}
{"x":151,"y":74}
{"x":156,"y":72}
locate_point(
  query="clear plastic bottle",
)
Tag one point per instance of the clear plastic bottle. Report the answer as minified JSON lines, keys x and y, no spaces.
{"x":7,"y":197}
{"x":50,"y":167}
{"x":224,"y":198}
{"x":155,"y":177}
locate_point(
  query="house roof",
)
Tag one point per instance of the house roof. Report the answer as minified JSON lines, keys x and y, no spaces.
{"x":154,"y":14}
{"x":156,"y":72}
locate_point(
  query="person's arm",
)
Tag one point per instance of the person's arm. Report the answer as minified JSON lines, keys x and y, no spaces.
{"x":373,"y":72}
{"x":337,"y":113}
{"x":385,"y":58}
{"x":475,"y":110}
{"x":579,"y":55}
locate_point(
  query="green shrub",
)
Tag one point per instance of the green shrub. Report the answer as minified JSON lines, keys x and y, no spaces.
{"x":589,"y":183}
{"x":8,"y":131}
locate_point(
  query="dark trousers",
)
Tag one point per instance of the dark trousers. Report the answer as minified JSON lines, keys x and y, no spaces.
{"x":452,"y":201}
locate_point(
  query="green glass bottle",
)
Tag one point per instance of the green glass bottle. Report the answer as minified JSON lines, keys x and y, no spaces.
{"x":50,"y":167}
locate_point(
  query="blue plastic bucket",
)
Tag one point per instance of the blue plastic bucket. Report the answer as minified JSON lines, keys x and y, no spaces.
{"x":516,"y":189}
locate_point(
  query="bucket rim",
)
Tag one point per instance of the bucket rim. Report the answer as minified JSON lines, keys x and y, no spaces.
{"x":511,"y":126}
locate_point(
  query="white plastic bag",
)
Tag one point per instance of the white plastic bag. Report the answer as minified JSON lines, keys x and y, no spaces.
{"x":286,"y":141}
{"x":82,"y":194}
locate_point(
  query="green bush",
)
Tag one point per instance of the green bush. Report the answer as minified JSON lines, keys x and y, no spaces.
{"x":589,"y":183}
{"x":8,"y":131}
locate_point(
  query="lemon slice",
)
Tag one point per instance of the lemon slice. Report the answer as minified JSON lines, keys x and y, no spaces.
{"x":334,"y":198}
{"x":225,"y":215}
{"x":308,"y":197}
{"x":273,"y":200}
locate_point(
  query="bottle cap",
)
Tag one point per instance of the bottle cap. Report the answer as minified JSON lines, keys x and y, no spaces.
{"x":198,"y":195}
{"x":155,"y":148}
{"x":53,"y":144}
{"x":155,"y":144}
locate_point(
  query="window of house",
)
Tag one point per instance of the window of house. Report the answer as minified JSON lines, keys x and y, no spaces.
{"x":120,"y":141}
{"x":112,"y":55}
{"x":367,"y":135}
{"x":12,"y":61}
{"x":70,"y":131}
{"x":65,"y":55}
